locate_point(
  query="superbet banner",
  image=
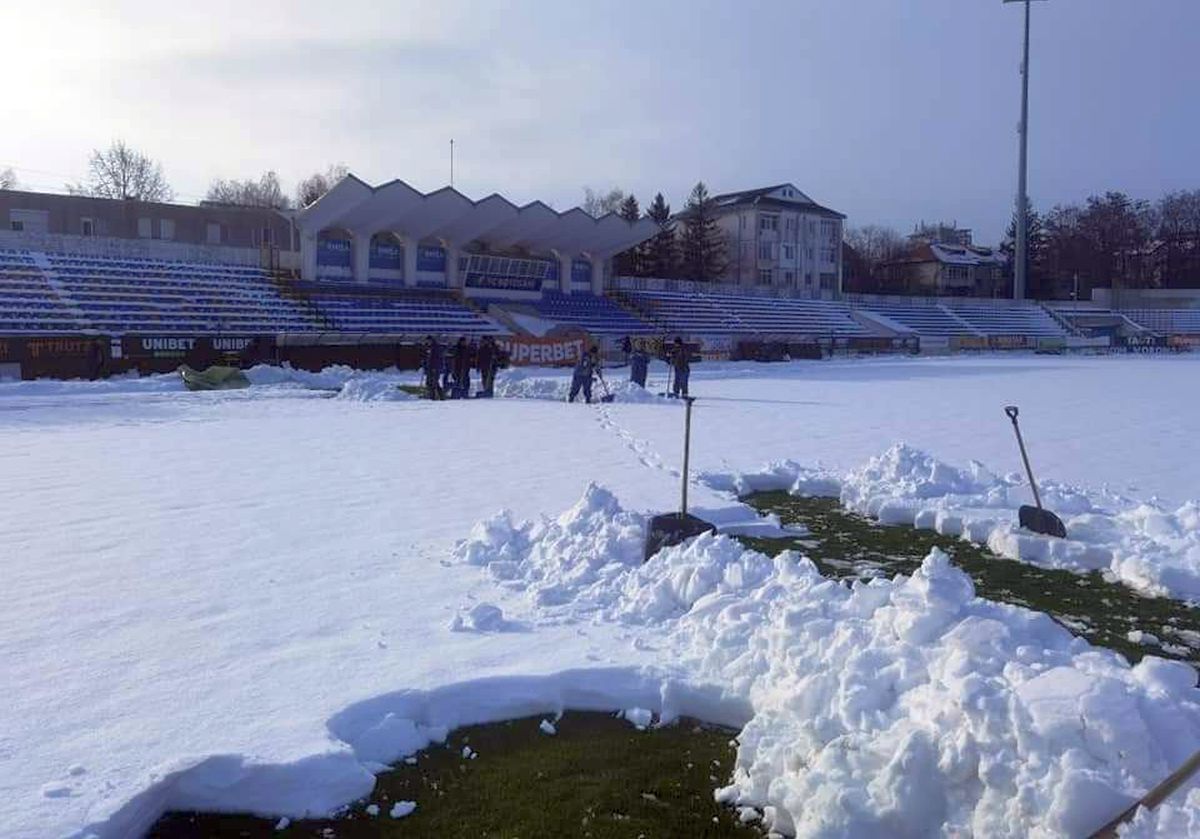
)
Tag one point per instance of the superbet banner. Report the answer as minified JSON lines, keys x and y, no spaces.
{"x":524,"y":350}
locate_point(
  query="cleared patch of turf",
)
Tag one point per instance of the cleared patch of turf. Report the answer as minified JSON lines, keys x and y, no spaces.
{"x":843,"y":544}
{"x":596,"y":777}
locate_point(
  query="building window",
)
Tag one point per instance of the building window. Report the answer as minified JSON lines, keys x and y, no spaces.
{"x":765,"y":276}
{"x":166,"y":228}
{"x":768,"y":222}
{"x":17,"y":226}
{"x":789,"y":277}
{"x":145,"y":227}
{"x":87,"y":227}
{"x":827,"y":281}
{"x":808,"y":278}
{"x":764,"y":250}
{"x":214,"y":233}
{"x":789,"y":252}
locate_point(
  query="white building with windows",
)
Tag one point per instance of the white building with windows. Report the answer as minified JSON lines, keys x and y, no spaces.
{"x":778,"y":236}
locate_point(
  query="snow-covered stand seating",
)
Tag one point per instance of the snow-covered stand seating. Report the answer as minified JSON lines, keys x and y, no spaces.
{"x":415,"y":312}
{"x":598,"y":315}
{"x":62,"y":293}
{"x":716,"y":313}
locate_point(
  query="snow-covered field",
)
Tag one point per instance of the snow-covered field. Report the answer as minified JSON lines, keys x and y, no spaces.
{"x":252,"y":599}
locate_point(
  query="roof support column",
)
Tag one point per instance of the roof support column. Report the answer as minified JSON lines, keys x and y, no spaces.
{"x":308,"y":256}
{"x":565,"y":261}
{"x":600,"y":266}
{"x":453,"y":278}
{"x":411,"y":246}
{"x":361,"y":260}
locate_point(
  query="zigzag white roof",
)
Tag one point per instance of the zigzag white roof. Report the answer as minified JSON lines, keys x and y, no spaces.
{"x":448,"y":215}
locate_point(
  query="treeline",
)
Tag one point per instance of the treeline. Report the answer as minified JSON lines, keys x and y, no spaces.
{"x":1107,"y":240}
{"x":1112,"y":240}
{"x":691,"y":247}
{"x":123,"y":172}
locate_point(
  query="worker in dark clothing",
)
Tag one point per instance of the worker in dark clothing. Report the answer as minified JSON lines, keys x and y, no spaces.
{"x":639,"y":364}
{"x":485,"y":362}
{"x":581,"y":379}
{"x":681,"y":366}
{"x":626,"y":347}
{"x":462,"y":369}
{"x":432,"y":362}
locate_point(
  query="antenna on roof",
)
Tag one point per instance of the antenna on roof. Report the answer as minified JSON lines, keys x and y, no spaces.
{"x":451,"y":162}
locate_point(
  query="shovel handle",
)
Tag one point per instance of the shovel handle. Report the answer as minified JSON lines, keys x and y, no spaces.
{"x":1011,"y":411}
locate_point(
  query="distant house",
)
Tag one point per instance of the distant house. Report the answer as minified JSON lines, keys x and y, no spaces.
{"x":778,"y":236}
{"x":943,"y":268}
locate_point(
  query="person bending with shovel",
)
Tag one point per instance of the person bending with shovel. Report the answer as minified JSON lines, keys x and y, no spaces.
{"x":585,"y":369}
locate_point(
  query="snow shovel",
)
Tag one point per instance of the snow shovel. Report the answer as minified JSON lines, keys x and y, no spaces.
{"x":1151,"y":799}
{"x":1037,"y":519}
{"x":674,"y":528}
{"x":608,"y":396}
{"x":669,"y":392}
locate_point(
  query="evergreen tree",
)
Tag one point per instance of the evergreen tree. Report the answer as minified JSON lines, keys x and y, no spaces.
{"x":1035,"y":262}
{"x":662,"y":254}
{"x":703,"y":245}
{"x":628,"y":263}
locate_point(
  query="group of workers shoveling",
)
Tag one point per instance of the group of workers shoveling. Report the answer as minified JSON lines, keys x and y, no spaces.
{"x":448,"y":369}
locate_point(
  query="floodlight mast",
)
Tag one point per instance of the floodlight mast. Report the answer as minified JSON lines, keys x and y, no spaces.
{"x":1022,"y":255}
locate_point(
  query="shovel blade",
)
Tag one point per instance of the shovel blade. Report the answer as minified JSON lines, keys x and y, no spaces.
{"x":1042,"y":521}
{"x":608,"y":398}
{"x":673,"y":529}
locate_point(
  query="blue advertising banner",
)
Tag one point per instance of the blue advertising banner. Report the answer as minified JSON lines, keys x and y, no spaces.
{"x":389,"y":257}
{"x":581,"y":272}
{"x":431,"y":259}
{"x":333,"y":252}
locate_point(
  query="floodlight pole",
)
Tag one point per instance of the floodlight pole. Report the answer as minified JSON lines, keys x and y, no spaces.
{"x":451,"y":162}
{"x":1022,"y":256}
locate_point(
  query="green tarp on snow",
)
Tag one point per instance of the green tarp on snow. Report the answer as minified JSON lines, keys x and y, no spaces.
{"x":213,"y":378}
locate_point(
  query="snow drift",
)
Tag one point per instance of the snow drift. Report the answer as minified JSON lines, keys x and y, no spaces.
{"x":898,"y":707}
{"x":1153,"y":548}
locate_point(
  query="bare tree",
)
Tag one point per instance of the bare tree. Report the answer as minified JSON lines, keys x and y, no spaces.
{"x":123,"y":172}
{"x":319,"y":183}
{"x":597,"y":204}
{"x":875,"y":244}
{"x":265,"y":192}
{"x":8,"y":179}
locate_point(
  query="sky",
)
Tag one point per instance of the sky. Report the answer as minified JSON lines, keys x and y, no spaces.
{"x":891,"y":111}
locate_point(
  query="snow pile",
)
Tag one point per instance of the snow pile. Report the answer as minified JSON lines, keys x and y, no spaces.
{"x":781,"y":475}
{"x":564,"y":565}
{"x":332,"y":378}
{"x":1153,"y":549}
{"x":890,"y":707}
{"x":367,"y":388}
{"x":543,"y":384}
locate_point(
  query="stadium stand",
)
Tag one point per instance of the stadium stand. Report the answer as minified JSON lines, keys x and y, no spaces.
{"x":29,"y":304}
{"x":718,"y":313}
{"x":926,"y":317}
{"x":400,"y":312}
{"x":1009,"y":317}
{"x":597,"y":315}
{"x":120,"y":296}
{"x":1166,"y":321}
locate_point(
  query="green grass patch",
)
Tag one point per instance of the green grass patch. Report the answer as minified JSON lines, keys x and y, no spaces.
{"x":597,"y":777}
{"x":413,"y":390}
{"x":846,"y":545}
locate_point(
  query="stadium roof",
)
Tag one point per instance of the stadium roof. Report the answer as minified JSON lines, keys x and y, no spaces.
{"x":454,"y":219}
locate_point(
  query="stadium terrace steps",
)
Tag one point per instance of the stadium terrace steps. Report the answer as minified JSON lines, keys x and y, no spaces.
{"x":731,"y":314}
{"x":396,"y":311}
{"x":1166,"y":321}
